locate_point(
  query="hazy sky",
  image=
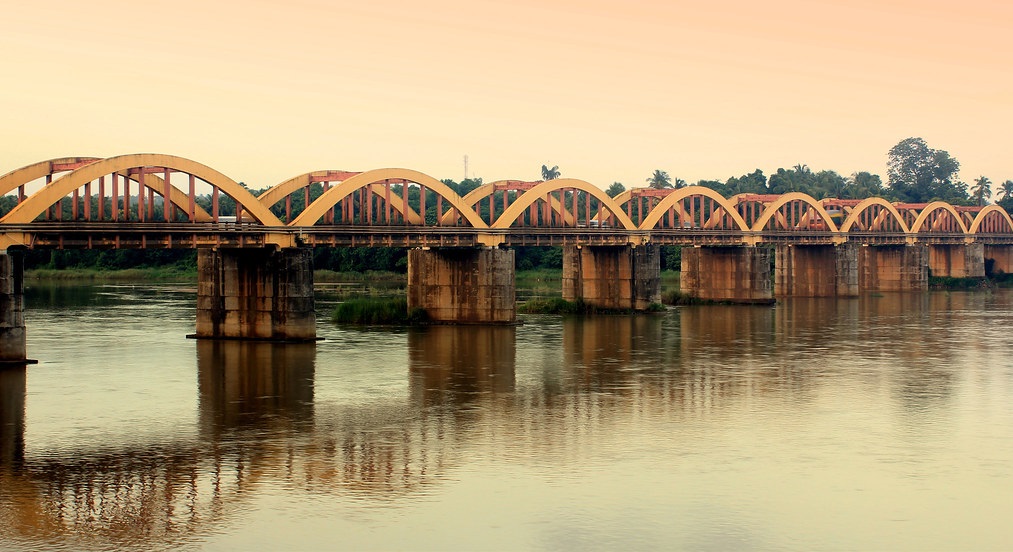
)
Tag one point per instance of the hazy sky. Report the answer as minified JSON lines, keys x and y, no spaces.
{"x":609,"y":91}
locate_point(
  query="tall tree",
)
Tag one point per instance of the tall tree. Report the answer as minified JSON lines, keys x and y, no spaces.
{"x":1006,"y":190}
{"x":659,"y":180}
{"x":919,"y":174}
{"x":981,"y":191}
{"x":550,"y":174}
{"x":862,"y":185}
{"x":615,"y":189}
{"x":679,"y":183}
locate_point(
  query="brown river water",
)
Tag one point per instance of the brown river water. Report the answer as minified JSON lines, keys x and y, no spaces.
{"x":879,"y":423}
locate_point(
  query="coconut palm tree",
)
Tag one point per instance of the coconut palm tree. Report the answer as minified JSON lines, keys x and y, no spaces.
{"x":550,"y":174}
{"x":659,"y":180}
{"x":982,"y":190}
{"x":1006,"y":189}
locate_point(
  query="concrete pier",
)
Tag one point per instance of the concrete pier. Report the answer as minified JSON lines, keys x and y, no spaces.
{"x":1001,"y":257}
{"x":13,"y":347}
{"x":734,"y":274}
{"x":893,"y":268}
{"x":255,"y":294}
{"x":957,"y":261}
{"x":613,"y":277}
{"x":816,"y":271}
{"x":463,"y":286}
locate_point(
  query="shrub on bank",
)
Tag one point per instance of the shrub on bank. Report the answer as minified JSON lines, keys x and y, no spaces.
{"x":391,"y":311}
{"x":559,"y":305}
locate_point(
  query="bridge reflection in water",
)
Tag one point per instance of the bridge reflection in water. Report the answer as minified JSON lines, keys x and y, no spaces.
{"x":261,"y":425}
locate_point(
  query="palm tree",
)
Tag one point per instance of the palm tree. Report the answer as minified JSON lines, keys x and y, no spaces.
{"x":659,"y":180}
{"x":982,"y":190}
{"x":1006,"y":189}
{"x":550,"y":174}
{"x":680,"y":183}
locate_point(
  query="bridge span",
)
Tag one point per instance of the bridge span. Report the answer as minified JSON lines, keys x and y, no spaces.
{"x":255,"y":266}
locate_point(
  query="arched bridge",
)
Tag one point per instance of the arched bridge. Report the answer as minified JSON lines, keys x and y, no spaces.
{"x":255,"y":275}
{"x":154,"y":200}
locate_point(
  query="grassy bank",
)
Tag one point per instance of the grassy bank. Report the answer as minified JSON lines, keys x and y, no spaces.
{"x":960,"y":284}
{"x":159,"y":274}
{"x":559,"y":305}
{"x":389,"y":311}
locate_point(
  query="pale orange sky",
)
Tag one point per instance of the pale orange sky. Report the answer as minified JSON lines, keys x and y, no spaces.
{"x":609,"y":91}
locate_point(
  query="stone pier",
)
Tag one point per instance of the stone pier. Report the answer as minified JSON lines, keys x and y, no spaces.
{"x":263,"y":293}
{"x":957,"y":261}
{"x":12,"y":308}
{"x":613,"y":277}
{"x":816,"y":271}
{"x":1001,"y":257}
{"x":738,"y":274}
{"x":463,"y":286}
{"x":893,"y":268}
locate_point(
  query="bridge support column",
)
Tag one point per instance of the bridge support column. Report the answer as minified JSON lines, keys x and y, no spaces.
{"x":816,"y":270}
{"x":1001,"y":257}
{"x":13,"y":347}
{"x":893,"y":268}
{"x":255,"y":294}
{"x":957,"y":261}
{"x":463,"y":286}
{"x":734,"y":274}
{"x":613,"y":277}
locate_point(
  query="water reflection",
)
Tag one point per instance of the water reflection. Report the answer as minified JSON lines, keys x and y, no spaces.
{"x":300,"y":426}
{"x":247,"y":384}
{"x":457,"y":364}
{"x":13,"y":386}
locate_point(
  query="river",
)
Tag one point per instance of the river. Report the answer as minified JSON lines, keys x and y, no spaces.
{"x":884,"y":422}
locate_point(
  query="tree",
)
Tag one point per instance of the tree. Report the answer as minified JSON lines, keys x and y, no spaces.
{"x":862,"y":185}
{"x":753,"y":183}
{"x":659,"y":180}
{"x":615,"y":189}
{"x":680,"y":183}
{"x":550,"y":174}
{"x":919,"y":174}
{"x":981,"y":191}
{"x":1006,"y":201}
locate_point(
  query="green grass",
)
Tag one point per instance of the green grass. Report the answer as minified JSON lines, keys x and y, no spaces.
{"x":558,"y":305}
{"x":390,"y":311}
{"x":959,"y":284}
{"x":370,"y":276}
{"x":164,"y":274}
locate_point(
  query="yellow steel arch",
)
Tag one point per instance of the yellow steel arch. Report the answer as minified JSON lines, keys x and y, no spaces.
{"x":24,"y":175}
{"x":18,"y":177}
{"x":985,"y":212}
{"x":278,"y":192}
{"x":331,"y":197}
{"x":539,"y":192}
{"x":772,"y":208}
{"x":935,"y":206}
{"x":680,"y":194}
{"x":59,"y":188}
{"x":472,"y":198}
{"x":856,"y":213}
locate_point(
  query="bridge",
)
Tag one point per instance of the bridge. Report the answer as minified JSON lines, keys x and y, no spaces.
{"x":255,"y":268}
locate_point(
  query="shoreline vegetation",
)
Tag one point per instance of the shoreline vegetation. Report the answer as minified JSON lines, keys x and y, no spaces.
{"x":540,"y":280}
{"x":378,"y":297}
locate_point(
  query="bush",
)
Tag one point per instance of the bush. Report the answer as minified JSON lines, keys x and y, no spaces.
{"x":379,"y":311}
